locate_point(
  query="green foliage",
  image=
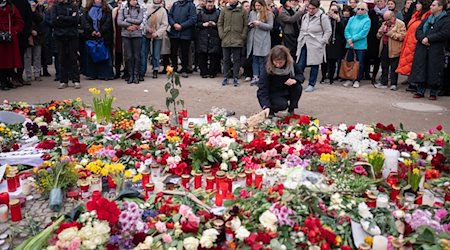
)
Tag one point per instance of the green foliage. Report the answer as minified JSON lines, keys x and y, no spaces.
{"x":171,"y":88}
{"x":60,"y":175}
{"x":202,"y":155}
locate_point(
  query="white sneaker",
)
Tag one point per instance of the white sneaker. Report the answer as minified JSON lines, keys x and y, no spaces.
{"x":77,"y":85}
{"x":356,"y":84}
{"x":394,"y":87}
{"x":380,"y":86}
{"x":248,"y":78}
{"x":347,"y":83}
{"x":309,"y":88}
{"x":62,"y":86}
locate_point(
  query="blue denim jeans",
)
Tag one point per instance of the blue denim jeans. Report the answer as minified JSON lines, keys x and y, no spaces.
{"x":359,"y":58}
{"x":257,"y":65}
{"x":145,"y":50}
{"x":302,"y":65}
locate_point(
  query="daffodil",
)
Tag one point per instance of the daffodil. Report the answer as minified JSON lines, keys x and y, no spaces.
{"x":108,"y":90}
{"x":416,"y":171}
{"x":94,"y":91}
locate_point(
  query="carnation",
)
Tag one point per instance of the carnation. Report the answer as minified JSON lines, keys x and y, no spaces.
{"x":190,"y":243}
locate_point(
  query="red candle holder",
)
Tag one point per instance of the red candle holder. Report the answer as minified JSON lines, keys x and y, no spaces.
{"x":371,"y":201}
{"x":184,"y":113}
{"x":395,"y":191}
{"x":197,"y":180}
{"x":230,"y":179}
{"x":210,"y":183}
{"x":180,"y":118}
{"x":4,"y":198}
{"x":258,"y":180}
{"x":248,"y":177}
{"x":145,"y":178}
{"x":209,"y":118}
{"x":17,"y":179}
{"x":16,"y":210}
{"x":73,"y":195}
{"x":223,"y":189}
{"x":220,"y":177}
{"x":149,"y":188}
{"x":392,"y":179}
{"x":219,"y":199}
{"x":185,"y":180}
{"x":11,"y":182}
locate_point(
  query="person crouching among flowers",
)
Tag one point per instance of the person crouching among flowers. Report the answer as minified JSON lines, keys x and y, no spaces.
{"x":279,"y":86}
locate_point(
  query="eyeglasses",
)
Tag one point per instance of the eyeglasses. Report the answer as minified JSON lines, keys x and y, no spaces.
{"x":360,"y":9}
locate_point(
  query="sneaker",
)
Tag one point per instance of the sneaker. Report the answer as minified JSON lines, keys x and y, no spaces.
{"x":254,"y":81}
{"x":322,"y":81}
{"x":411,"y":88}
{"x":432,"y":98}
{"x":184,"y":75}
{"x":418,"y":95}
{"x":248,"y":78}
{"x":380,"y":86}
{"x":310,"y":88}
{"x":347,"y":83}
{"x":77,"y":85}
{"x":225,"y":82}
{"x":393,"y":87}
{"x":141,"y":78}
{"x":235,"y":82}
{"x":327,"y":81}
{"x":356,"y":84}
{"x":63,"y":85}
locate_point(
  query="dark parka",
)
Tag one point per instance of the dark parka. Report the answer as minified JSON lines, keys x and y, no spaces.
{"x":336,"y":46}
{"x":37,"y":20}
{"x":105,"y":27}
{"x":428,"y":63}
{"x":208,"y":40}
{"x":233,"y":26}
{"x":373,"y":43}
{"x":63,"y":22}
{"x":271,"y":87}
{"x":184,"y":13}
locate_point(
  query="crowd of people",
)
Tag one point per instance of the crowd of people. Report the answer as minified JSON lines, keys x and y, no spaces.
{"x":106,"y":40}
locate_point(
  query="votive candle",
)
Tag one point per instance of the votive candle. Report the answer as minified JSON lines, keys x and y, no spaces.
{"x":16,"y":210}
{"x":198,"y":180}
{"x":248,"y":177}
{"x":210,"y":183}
{"x":145,"y":178}
{"x":11,"y":182}
{"x":3,"y":213}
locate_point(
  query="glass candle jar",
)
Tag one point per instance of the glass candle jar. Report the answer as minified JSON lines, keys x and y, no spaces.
{"x":156,"y":172}
{"x":198,"y":180}
{"x":11,"y":182}
{"x":210,"y":183}
{"x":4,"y":198}
{"x":185,"y":180}
{"x":258,"y":180}
{"x":241,"y":180}
{"x":230,"y":180}
{"x":220,"y":177}
{"x":395,"y":191}
{"x":248,"y":177}
{"x":149,"y":189}
{"x":145,"y":178}
{"x":16,"y":210}
{"x":382,"y":200}
{"x":3,"y":213}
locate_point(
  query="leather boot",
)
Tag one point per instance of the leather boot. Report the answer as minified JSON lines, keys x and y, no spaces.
{"x":137,"y":78}
{"x":155,"y":74}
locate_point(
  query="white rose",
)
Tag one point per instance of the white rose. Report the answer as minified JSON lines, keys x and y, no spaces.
{"x":364,"y":211}
{"x":190,"y":243}
{"x":101,"y":227}
{"x":312,"y":129}
{"x":148,"y":240}
{"x":89,"y":244}
{"x":208,"y":238}
{"x":268,"y":220}
{"x":230,"y":153}
{"x":68,"y":234}
{"x":412,"y":135}
{"x":242,"y":233}
{"x":224,"y":156}
{"x":235,"y":223}
{"x":343,"y":127}
{"x":224,"y":166}
{"x":233,"y":159}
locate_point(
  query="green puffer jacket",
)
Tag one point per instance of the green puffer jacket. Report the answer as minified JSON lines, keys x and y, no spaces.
{"x":233,"y":25}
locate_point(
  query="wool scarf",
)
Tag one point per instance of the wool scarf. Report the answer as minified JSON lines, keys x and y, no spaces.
{"x":96,"y":14}
{"x":431,"y":20}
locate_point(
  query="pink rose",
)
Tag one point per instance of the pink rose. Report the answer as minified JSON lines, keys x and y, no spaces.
{"x":184,"y":210}
{"x":74,"y":244}
{"x":359,"y":170}
{"x":160,"y":227}
{"x":166,"y":238}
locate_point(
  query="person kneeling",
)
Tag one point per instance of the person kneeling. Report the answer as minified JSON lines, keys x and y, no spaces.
{"x":279,"y":86}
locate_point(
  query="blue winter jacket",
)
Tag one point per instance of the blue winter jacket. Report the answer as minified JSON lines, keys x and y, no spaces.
{"x":357,"y":30}
{"x":182,"y":12}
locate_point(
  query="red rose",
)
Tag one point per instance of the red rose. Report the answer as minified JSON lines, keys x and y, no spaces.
{"x":346,"y":247}
{"x":46,"y":144}
{"x":375,"y":136}
{"x":304,"y":119}
{"x":439,"y":127}
{"x":325,"y":246}
{"x":189,"y":227}
{"x":264,"y":237}
{"x":250,"y":240}
{"x":106,"y":210}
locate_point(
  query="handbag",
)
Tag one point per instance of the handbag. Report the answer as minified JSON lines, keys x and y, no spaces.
{"x":349,"y":70}
{"x":97,"y":50}
{"x":5,"y":36}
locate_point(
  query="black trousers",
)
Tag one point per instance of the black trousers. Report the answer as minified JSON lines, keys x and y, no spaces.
{"x":227,"y":53}
{"x":132,"y":50}
{"x":388,"y":67}
{"x":118,"y":60}
{"x":376,"y":67}
{"x":68,"y":59}
{"x":211,"y":68}
{"x":184,"y":45}
{"x":329,"y":69}
{"x":290,"y":101}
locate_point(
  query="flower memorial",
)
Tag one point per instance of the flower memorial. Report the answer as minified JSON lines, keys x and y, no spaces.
{"x":287,"y":183}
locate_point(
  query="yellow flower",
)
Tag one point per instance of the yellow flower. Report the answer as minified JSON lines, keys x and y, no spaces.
{"x":317,"y":122}
{"x":137,"y":177}
{"x":414,"y":154}
{"x":127,"y":174}
{"x":338,"y":240}
{"x":108,"y":90}
{"x":416,"y":171}
{"x":327,"y":157}
{"x":78,"y":99}
{"x":169,"y":69}
{"x":94,"y":91}
{"x":368,"y":240}
{"x":408,"y":162}
{"x":52,"y":108}
{"x":104,"y":171}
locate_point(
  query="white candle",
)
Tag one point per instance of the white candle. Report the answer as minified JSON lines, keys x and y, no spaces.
{"x":390,"y":161}
{"x":380,"y":243}
{"x":428,"y":198}
{"x":26,"y":187}
{"x":3,"y":213}
{"x":382,"y":201}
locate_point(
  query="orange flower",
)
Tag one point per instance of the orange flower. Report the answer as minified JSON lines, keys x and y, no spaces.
{"x":94,"y":149}
{"x":145,"y":146}
{"x":169,"y":69}
{"x":232,"y":132}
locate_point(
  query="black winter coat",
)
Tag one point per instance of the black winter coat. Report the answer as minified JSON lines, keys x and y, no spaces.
{"x":336,"y":47}
{"x":105,"y":27}
{"x":37,"y":20}
{"x":24,"y":8}
{"x":64,"y":23}
{"x":208,"y":40}
{"x":272,"y":86}
{"x":428,"y":62}
{"x":373,"y":43}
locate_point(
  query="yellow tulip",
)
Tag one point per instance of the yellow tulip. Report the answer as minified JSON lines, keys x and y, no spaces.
{"x":416,"y":171}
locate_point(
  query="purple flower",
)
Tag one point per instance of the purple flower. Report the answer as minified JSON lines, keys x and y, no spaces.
{"x":440,"y":214}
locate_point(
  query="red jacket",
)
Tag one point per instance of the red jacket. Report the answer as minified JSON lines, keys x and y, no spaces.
{"x":409,"y":44}
{"x":10,"y":51}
